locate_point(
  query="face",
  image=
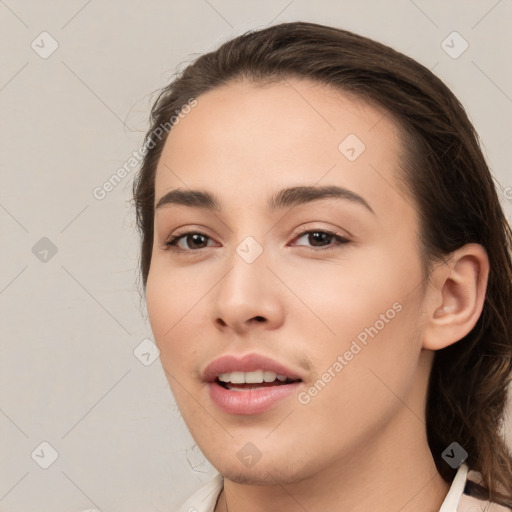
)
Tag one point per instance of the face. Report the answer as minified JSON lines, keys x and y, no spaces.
{"x":329,"y":287}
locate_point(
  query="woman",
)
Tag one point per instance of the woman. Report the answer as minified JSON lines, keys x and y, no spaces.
{"x":328,"y":277}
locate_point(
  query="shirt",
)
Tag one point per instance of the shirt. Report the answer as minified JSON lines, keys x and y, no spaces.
{"x":458,"y":498}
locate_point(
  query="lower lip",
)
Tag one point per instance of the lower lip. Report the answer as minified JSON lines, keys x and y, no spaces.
{"x":252,"y":401}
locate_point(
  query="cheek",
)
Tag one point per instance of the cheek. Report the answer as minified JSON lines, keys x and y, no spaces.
{"x":158,"y":301}
{"x":167,"y":303}
{"x":167,"y":306}
{"x":366,"y":311}
{"x":345,"y":297}
{"x":374,"y":353}
{"x":360,"y":373}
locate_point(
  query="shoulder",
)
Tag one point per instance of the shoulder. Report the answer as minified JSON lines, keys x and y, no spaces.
{"x":475,"y":497}
{"x":468,"y":494}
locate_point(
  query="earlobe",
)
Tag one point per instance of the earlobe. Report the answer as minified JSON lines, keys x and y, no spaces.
{"x":456,"y":296}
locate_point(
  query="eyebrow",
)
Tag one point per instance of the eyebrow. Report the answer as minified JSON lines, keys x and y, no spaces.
{"x":287,"y":197}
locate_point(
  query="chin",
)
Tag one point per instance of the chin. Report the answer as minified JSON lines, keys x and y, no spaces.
{"x":270,"y":473}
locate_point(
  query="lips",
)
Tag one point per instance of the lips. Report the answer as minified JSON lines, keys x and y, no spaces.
{"x":249,"y":398}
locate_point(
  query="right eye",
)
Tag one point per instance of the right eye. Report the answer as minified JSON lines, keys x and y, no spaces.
{"x":195,"y":237}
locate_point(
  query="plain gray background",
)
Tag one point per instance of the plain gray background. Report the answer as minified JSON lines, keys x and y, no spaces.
{"x":72,"y":320}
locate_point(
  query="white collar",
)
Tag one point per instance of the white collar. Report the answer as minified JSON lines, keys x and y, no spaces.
{"x":205,"y":499}
{"x":452,"y":499}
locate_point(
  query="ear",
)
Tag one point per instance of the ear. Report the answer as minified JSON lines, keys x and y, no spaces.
{"x":456,"y":296}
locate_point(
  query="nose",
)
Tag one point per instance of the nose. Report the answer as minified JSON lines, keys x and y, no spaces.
{"x":248,"y":297}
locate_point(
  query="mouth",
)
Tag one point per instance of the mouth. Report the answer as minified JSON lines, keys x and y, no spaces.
{"x":251,"y":384}
{"x":259,"y":379}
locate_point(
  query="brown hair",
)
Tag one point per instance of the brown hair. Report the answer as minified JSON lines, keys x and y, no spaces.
{"x":448,"y":178}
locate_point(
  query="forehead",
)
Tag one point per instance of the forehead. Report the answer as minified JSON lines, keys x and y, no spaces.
{"x":247,"y":139}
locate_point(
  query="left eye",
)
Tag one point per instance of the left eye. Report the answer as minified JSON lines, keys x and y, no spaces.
{"x":316,"y":236}
{"x":320,"y":236}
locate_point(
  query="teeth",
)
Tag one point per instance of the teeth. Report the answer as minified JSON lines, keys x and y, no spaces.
{"x":269,"y":376}
{"x":255,"y":377}
{"x":237,"y":377}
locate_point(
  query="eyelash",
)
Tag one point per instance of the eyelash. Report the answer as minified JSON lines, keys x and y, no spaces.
{"x":170,"y":244}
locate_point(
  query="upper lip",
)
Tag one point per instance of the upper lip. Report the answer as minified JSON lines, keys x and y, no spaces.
{"x":248,"y":363}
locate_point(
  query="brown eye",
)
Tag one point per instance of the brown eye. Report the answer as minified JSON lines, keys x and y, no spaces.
{"x":192,"y":239}
{"x":318,"y":237}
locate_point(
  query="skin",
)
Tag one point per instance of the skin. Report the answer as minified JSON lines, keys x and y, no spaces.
{"x":360,"y":444}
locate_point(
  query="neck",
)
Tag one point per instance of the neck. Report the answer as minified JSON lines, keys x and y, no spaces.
{"x":369,"y":480}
